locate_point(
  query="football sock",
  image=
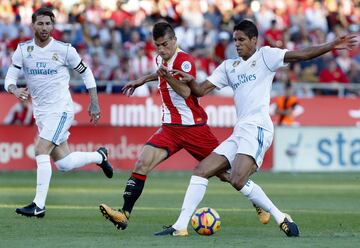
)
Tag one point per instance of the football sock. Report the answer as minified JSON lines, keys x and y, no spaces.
{"x":132,"y":192}
{"x":258,"y":197}
{"x":78,"y":159}
{"x":43,"y":176}
{"x":193,"y":196}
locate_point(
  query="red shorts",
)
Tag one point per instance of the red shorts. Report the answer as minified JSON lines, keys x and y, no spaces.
{"x":199,"y":141}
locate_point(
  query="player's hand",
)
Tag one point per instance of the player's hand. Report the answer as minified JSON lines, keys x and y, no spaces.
{"x":184,"y":77}
{"x":22,"y":94}
{"x":94,"y":113}
{"x":163,"y":72}
{"x":130,"y":87}
{"x":346,"y":42}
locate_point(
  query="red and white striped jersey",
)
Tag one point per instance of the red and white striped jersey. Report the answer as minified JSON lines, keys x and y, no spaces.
{"x":177,"y":110}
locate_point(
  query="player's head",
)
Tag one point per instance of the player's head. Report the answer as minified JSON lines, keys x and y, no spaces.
{"x":245,"y":36}
{"x":164,"y":39}
{"x":43,"y":20}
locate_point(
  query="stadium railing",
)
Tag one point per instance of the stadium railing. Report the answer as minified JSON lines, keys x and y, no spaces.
{"x":300,"y":88}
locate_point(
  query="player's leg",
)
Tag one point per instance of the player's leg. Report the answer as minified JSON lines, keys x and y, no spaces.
{"x":66,"y":160}
{"x":195,"y":192}
{"x":43,"y":148}
{"x":149,"y":157}
{"x":242,"y":167}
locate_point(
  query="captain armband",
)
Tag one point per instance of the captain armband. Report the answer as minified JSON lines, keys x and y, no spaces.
{"x":86,"y":75}
{"x":80,"y":68}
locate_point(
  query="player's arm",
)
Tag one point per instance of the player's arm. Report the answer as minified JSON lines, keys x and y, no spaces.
{"x":343,"y":42}
{"x":198,"y":89}
{"x":89,"y":81}
{"x":130,"y":87}
{"x":178,"y":86}
{"x":74,"y":60}
{"x":12,"y":76}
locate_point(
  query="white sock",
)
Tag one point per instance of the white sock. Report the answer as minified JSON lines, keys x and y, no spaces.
{"x":194,"y":194}
{"x":258,"y":197}
{"x":43,"y":176}
{"x":78,"y":159}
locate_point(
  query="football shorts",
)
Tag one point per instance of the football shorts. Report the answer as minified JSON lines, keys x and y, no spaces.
{"x":246,"y":139}
{"x":54,"y":127}
{"x":199,"y":141}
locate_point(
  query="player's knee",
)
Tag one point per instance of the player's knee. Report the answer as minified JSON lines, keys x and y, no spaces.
{"x":237,"y":182}
{"x":200,"y":171}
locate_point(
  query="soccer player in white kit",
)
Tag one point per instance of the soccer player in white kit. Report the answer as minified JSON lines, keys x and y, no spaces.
{"x":45,"y":63}
{"x":250,"y":76}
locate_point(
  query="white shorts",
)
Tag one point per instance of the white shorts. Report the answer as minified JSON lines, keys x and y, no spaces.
{"x":54,"y":127}
{"x":247,"y":139}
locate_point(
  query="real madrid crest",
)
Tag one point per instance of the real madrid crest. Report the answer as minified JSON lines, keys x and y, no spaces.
{"x":29,"y":49}
{"x":55,"y":57}
{"x":253,"y":63}
{"x":236,"y":63}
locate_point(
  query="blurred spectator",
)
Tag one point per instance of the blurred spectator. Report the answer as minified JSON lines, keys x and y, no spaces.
{"x":185,"y":36}
{"x":221,"y":46}
{"x":309,"y":74}
{"x":354,"y":73}
{"x":286,"y":107}
{"x":20,"y":114}
{"x":274,"y":37}
{"x":331,"y":74}
{"x":344,"y":61}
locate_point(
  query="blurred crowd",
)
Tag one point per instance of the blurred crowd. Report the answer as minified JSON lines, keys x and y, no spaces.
{"x":114,"y":37}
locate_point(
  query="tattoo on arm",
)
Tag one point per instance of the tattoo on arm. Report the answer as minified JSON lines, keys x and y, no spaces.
{"x":12,"y":88}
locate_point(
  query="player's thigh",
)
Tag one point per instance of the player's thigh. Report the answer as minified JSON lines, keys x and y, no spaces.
{"x":199,"y":141}
{"x":43,"y":146}
{"x":242,"y":168}
{"x":60,"y":151}
{"x":54,"y":127}
{"x":211,"y":166}
{"x":149,"y":158}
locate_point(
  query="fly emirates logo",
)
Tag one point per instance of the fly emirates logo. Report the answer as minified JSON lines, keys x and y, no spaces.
{"x":242,"y":79}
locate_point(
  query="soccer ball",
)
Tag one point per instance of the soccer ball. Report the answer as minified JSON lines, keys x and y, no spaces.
{"x":206,"y":221}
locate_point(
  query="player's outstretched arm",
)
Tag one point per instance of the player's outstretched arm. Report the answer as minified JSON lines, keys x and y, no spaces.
{"x":94,"y":108}
{"x":198,"y":89}
{"x":130,"y":87}
{"x":178,"y":86}
{"x":344,"y":42}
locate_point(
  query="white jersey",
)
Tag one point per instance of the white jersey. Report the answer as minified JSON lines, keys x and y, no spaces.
{"x":47,"y":75}
{"x":251,"y":82}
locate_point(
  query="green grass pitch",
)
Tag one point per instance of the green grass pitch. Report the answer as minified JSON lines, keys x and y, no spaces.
{"x":325,"y":206}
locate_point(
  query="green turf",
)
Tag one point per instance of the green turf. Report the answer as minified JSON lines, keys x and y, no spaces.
{"x":325,"y":206}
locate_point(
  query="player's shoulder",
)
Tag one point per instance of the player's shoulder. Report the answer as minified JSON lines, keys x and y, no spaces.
{"x":61,"y":43}
{"x":184,"y":56}
{"x":184,"y":61}
{"x":27,"y":42}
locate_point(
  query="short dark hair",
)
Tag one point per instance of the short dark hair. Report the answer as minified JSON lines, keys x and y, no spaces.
{"x":161,"y":29}
{"x":43,"y":11}
{"x":248,"y":27}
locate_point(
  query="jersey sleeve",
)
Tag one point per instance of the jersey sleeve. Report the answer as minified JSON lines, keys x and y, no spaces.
{"x":186,"y":64}
{"x":74,"y":61}
{"x":219,"y":77}
{"x":17,"y":58}
{"x":273,"y":57}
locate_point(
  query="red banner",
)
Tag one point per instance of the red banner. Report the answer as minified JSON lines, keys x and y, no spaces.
{"x":124,"y":144}
{"x":119,"y":110}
